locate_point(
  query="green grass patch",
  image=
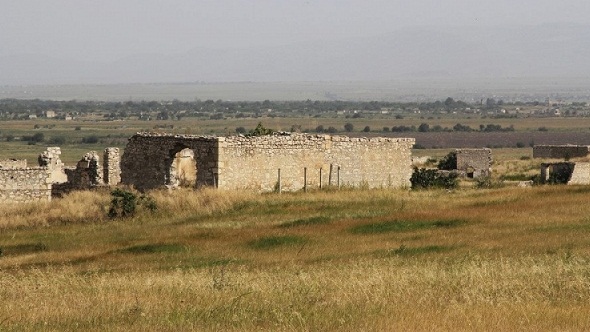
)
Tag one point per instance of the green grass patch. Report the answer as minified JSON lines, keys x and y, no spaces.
{"x":270,"y":242}
{"x":319,"y":220}
{"x":411,"y":251}
{"x":154,"y":248}
{"x":22,"y":249}
{"x":404,"y":226}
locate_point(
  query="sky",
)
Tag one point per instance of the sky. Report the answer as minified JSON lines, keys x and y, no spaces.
{"x":109,"y":30}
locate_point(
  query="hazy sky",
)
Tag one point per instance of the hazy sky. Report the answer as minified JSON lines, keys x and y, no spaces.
{"x":106,"y":30}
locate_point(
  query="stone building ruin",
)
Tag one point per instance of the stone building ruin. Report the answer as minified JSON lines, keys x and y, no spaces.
{"x":21,"y":183}
{"x":264,"y":163}
{"x":474,"y":163}
{"x":560,"y":151}
{"x":576,"y":172}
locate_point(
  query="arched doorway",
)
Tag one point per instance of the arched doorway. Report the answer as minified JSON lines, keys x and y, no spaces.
{"x":183,"y":168}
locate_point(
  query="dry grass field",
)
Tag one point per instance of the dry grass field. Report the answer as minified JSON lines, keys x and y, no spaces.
{"x":509,"y":259}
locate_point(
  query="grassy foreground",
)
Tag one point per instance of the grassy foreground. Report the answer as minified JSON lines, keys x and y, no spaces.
{"x":502,"y":259}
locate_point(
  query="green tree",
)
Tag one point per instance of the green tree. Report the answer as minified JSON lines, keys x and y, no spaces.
{"x":349,"y":127}
{"x":423,"y":128}
{"x":38,"y":137}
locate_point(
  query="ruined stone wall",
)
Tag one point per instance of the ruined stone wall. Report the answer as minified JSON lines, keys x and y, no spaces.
{"x":111,"y":166}
{"x":50,"y":159}
{"x":253,"y":162}
{"x":25,"y":185}
{"x":560,"y":151}
{"x":477,"y":161}
{"x":581,"y":174}
{"x":239,"y":162}
{"x":13,"y":163}
{"x":148,"y":157}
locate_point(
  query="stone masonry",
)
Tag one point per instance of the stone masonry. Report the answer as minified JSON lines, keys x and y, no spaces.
{"x":13,"y":164}
{"x":19,"y":183}
{"x":25,"y":184}
{"x":560,"y":151}
{"x":254,"y":163}
{"x":474,"y":162}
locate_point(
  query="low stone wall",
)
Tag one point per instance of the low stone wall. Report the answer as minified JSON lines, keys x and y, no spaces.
{"x":25,"y":185}
{"x":13,"y":163}
{"x":560,"y":151}
{"x":239,"y":162}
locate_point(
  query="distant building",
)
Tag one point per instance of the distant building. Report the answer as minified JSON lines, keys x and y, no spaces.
{"x":50,"y":114}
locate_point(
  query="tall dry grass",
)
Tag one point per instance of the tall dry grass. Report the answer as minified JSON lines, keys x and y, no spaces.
{"x":508,"y":259}
{"x":471,"y":293}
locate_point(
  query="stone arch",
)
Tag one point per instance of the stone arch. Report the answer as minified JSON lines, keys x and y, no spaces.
{"x":181,"y":170}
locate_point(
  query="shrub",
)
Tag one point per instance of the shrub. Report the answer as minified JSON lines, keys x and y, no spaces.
{"x":38,"y":137}
{"x":92,"y":139}
{"x":124,"y":203}
{"x":431,"y":178}
{"x":367,"y":129}
{"x":240,"y":130}
{"x":260,"y":130}
{"x":58,"y":140}
{"x":448,"y":162}
{"x":349,"y":127}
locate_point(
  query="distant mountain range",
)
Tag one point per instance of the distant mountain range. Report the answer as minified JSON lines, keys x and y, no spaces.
{"x":451,"y":52}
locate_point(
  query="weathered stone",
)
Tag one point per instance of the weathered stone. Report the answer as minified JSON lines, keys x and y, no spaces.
{"x":238,"y":162}
{"x":474,"y":162}
{"x":560,"y":151}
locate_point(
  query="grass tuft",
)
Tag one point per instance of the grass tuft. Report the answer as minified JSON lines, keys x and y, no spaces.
{"x":411,"y":251}
{"x":319,"y":220}
{"x":154,"y":248}
{"x":22,"y":249}
{"x":404,"y":226}
{"x":270,"y":242}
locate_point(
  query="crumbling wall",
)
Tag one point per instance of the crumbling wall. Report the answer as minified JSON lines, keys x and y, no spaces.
{"x":13,"y":163}
{"x":111,"y":166}
{"x":474,"y":162}
{"x":25,"y":184}
{"x":580,"y":174}
{"x":148,"y":158}
{"x":87,"y":173}
{"x":557,"y":173}
{"x":50,"y":159}
{"x":240,"y":162}
{"x":560,"y":151}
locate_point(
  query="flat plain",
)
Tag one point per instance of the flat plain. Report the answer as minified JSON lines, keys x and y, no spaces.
{"x":351,"y":259}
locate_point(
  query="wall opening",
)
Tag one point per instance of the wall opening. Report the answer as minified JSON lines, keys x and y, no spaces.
{"x":182,"y":171}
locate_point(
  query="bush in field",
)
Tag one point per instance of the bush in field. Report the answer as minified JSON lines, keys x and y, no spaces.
{"x":260,"y":130}
{"x":57,"y":140}
{"x":431,"y":178}
{"x":448,"y":162}
{"x":92,"y":139}
{"x":124,"y":203}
